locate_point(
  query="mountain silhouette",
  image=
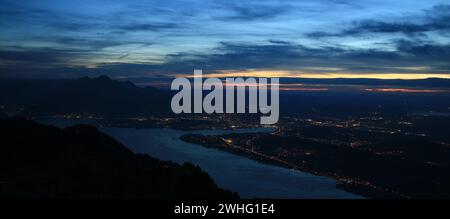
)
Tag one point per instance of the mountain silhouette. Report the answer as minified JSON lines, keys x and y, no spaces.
{"x":98,"y":96}
{"x":429,"y":82}
{"x":38,"y":161}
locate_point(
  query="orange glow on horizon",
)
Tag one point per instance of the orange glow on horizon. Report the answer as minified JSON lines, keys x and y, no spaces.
{"x":404,"y":90}
{"x":303,"y":89}
{"x":300,"y":74}
{"x":283,"y":87}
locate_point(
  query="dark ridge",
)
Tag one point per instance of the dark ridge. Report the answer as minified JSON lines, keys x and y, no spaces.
{"x":38,"y":161}
{"x":430,"y":82}
{"x":3,"y":116}
{"x":99,"y":96}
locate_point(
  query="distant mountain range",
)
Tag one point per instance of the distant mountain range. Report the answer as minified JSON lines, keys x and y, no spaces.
{"x":38,"y":161}
{"x":110,"y":98}
{"x":430,"y":82}
{"x":99,"y":95}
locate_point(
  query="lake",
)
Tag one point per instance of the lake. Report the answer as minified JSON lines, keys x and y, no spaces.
{"x":236,"y":173}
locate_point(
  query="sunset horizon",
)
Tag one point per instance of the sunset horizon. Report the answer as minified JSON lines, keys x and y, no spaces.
{"x":224,"y":107}
{"x":309,"y":39}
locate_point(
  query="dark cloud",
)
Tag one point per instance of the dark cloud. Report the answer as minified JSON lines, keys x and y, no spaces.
{"x":72,"y":26}
{"x":386,"y":27}
{"x":146,"y":27}
{"x":254,"y":12}
{"x":87,"y":38}
{"x":44,"y":56}
{"x":291,"y":56}
{"x":279,"y":42}
{"x":435,"y":19}
{"x":423,"y":50}
{"x":95,"y":44}
{"x":13,"y":11}
{"x":237,"y":56}
{"x":15,"y":16}
{"x":82,"y":23}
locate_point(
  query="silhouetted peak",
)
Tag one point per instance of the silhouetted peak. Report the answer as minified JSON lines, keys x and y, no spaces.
{"x":103,"y":77}
{"x":99,"y":78}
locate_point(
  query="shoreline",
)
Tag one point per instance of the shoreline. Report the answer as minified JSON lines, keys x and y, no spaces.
{"x":362,"y":188}
{"x":349,"y":185}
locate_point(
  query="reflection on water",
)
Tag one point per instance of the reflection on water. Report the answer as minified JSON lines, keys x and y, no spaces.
{"x":247,"y":177}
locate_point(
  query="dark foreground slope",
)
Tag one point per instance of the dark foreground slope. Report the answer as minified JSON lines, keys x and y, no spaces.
{"x":79,"y":161}
{"x":3,"y":116}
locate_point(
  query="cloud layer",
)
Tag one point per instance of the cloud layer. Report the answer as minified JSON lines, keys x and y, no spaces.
{"x":166,"y":38}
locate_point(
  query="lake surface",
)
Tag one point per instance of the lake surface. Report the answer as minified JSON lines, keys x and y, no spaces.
{"x":247,"y":177}
{"x":435,"y":114}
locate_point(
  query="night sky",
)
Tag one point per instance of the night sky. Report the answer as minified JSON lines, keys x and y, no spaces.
{"x":315,"y":39}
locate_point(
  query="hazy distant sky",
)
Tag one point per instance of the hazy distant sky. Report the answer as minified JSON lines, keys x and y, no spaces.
{"x":315,"y":38}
